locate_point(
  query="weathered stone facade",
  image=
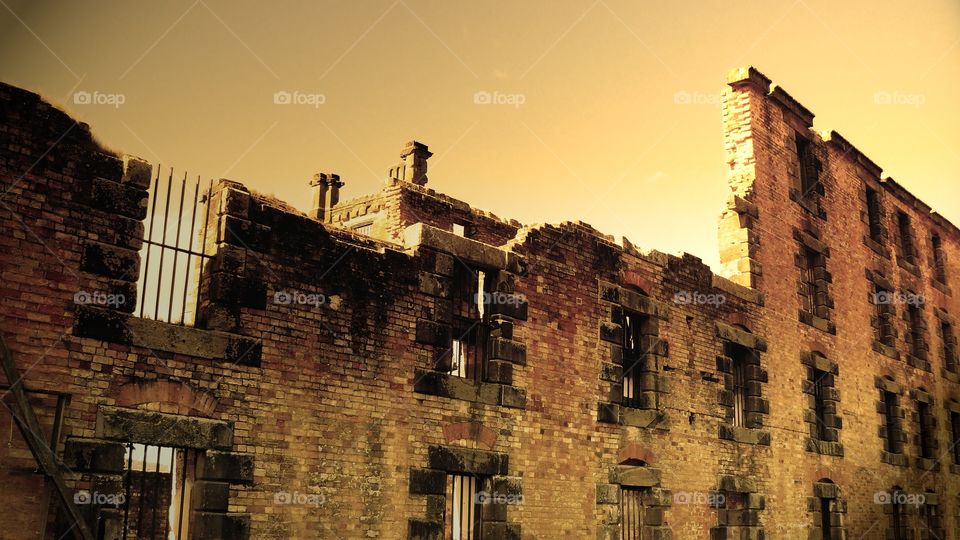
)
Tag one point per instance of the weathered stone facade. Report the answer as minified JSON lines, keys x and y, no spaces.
{"x":781,"y":397}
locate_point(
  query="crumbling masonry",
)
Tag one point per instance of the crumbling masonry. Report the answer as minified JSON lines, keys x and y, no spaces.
{"x":464,"y":375}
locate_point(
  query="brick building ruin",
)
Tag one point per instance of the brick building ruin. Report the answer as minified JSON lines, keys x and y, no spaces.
{"x":404,"y":366}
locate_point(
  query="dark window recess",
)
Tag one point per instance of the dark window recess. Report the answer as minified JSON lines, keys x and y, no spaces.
{"x":464,"y":507}
{"x":633,"y":356}
{"x":949,"y":346}
{"x":925,"y":420}
{"x":931,"y":519}
{"x":873,"y":215}
{"x":809,"y":167}
{"x":820,"y":405}
{"x":470,"y":329}
{"x":890,"y":421}
{"x":738,"y":367}
{"x":897,"y":515}
{"x":825,"y":528}
{"x":955,"y":436}
{"x":634,"y":513}
{"x":939,"y":260}
{"x":906,"y":238}
{"x":883,"y":309}
{"x":915,"y":335}
{"x":808,"y":279}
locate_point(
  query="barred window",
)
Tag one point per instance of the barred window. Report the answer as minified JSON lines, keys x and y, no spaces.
{"x":739,"y":355}
{"x":890,"y":421}
{"x":939,"y":259}
{"x":873,"y":215}
{"x":468,"y":346}
{"x":906,"y":238}
{"x":820,"y":403}
{"x":633,"y":512}
{"x":464,"y":515}
{"x":632,"y":357}
{"x":925,"y":427}
{"x":809,"y":166}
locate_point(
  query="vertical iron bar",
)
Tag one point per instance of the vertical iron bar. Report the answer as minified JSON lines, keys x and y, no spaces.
{"x":186,"y":281}
{"x":156,"y":496}
{"x":127,"y":481}
{"x":203,"y":245}
{"x":183,"y":492}
{"x":143,"y":478}
{"x":163,"y":245}
{"x":146,"y":266}
{"x":176,"y":251}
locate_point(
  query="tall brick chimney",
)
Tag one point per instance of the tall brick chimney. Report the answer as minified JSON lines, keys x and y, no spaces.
{"x":413,"y":168}
{"x":326,"y":194}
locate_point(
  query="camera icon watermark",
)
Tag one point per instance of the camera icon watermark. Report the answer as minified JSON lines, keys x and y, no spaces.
{"x":284,"y":97}
{"x":299,"y":499}
{"x":686,"y":97}
{"x":714,"y":499}
{"x":83,"y":97}
{"x":909,"y":299}
{"x":699,"y":299}
{"x":84,"y":496}
{"x":484,"y":97}
{"x":899,"y":498}
{"x":99,"y":298}
{"x":298,"y":298}
{"x":885,"y":97}
{"x":499,"y":298}
{"x":484,"y":497}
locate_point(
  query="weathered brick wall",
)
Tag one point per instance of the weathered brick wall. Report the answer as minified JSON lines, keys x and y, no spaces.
{"x":313,"y":363}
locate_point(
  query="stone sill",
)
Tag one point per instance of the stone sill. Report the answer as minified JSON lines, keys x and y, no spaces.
{"x":876,"y":247}
{"x":614,"y":413}
{"x":908,"y":266}
{"x":436,"y":383}
{"x":940,"y":286}
{"x":927,"y":464}
{"x":886,"y":350}
{"x":126,"y":329}
{"x":954,"y":468}
{"x":918,"y":363}
{"x":824,"y":325}
{"x":824,"y":448}
{"x":898,"y":460}
{"x":744,"y":435}
{"x":950,"y":376}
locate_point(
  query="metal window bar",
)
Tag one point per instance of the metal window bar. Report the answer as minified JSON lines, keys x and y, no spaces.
{"x":882,"y":305}
{"x":906,"y":237}
{"x":174,"y":249}
{"x":154,"y":502}
{"x":632,"y":354}
{"x":819,"y":403}
{"x":949,"y":347}
{"x":809,"y":280}
{"x":738,"y":357}
{"x":939,"y":264}
{"x":809,"y":175}
{"x":633,"y":514}
{"x":826,"y":531}
{"x":465,"y":512}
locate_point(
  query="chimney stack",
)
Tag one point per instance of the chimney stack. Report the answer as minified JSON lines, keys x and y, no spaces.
{"x":413,"y":168}
{"x":326,"y":194}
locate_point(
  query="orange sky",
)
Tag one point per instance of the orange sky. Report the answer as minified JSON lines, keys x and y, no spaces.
{"x":588,"y":125}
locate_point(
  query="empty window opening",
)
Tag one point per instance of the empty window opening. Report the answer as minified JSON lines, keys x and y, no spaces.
{"x":939,"y":259}
{"x":463,"y":508}
{"x":459,"y":229}
{"x":633,"y":358}
{"x":915,"y":319}
{"x":925,"y":421}
{"x":364,"y":228}
{"x":809,"y":166}
{"x":825,"y":527}
{"x":955,"y":437}
{"x":949,"y":346}
{"x":883,"y":309}
{"x":906,"y":237}
{"x":873,"y":214}
{"x":890,"y":421}
{"x":470,"y":295}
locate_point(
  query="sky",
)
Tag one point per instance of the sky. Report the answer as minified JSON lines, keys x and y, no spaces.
{"x":602,"y":111}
